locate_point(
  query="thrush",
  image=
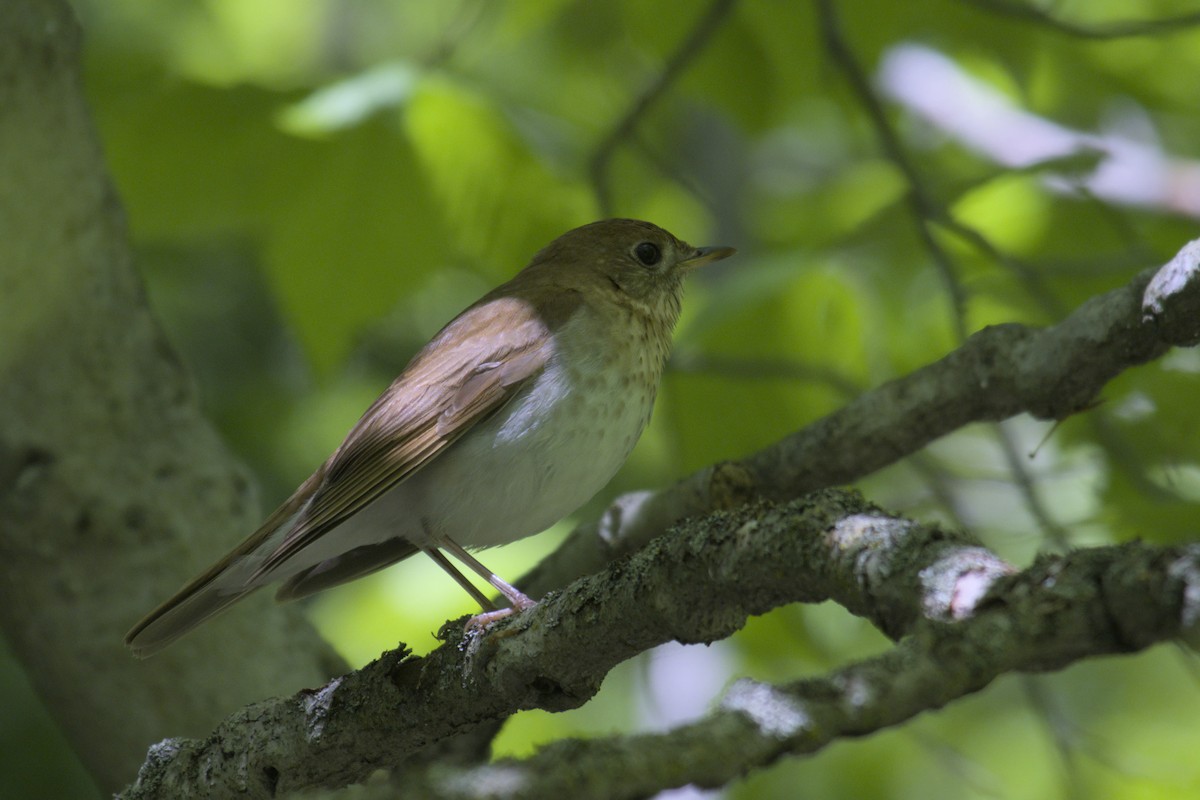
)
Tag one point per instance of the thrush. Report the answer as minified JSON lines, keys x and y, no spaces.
{"x":513,"y":416}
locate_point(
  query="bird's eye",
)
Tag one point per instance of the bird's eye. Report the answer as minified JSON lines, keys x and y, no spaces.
{"x":648,"y":253}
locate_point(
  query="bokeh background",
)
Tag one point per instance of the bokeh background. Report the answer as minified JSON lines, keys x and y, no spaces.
{"x":314,"y":187}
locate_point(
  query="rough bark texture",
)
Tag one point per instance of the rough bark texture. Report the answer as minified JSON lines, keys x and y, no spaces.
{"x":969,"y":617}
{"x":113,"y":486}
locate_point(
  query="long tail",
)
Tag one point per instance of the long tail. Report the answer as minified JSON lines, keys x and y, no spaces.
{"x":220,"y":586}
{"x":177,"y":616}
{"x":228,"y":581}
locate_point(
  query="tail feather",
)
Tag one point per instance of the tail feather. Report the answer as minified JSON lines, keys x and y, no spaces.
{"x":179,"y":615}
{"x":220,"y":586}
{"x":242,"y":571}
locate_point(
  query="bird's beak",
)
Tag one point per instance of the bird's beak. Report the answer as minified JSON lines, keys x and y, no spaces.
{"x":705,"y":255}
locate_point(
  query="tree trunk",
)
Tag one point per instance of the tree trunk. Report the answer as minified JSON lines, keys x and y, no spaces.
{"x":113,"y":486}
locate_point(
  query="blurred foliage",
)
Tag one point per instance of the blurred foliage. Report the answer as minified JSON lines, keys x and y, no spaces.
{"x":313,"y":187}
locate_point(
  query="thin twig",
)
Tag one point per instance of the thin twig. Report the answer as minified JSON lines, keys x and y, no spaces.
{"x":1055,"y":532}
{"x":450,"y":39}
{"x":934,"y":476}
{"x":674,"y":172}
{"x":923,"y":207}
{"x":1061,"y":731}
{"x":691,"y":47}
{"x":1033,"y":280}
{"x":1120,"y":29}
{"x":1126,"y":459}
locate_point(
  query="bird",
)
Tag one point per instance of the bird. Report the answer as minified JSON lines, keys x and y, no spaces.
{"x":513,"y":416}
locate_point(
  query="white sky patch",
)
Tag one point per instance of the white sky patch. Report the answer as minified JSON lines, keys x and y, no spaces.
{"x":682,"y":681}
{"x":1181,"y":359}
{"x":1135,"y":406}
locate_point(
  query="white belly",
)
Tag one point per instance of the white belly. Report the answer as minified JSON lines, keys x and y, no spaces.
{"x":546,"y":453}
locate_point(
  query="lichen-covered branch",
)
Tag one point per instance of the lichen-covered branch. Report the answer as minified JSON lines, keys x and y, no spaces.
{"x":968,"y":616}
{"x":1102,"y":601}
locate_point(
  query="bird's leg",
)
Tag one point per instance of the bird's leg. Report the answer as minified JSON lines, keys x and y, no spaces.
{"x":519,"y":601}
{"x":515,"y":596}
{"x":459,"y":578}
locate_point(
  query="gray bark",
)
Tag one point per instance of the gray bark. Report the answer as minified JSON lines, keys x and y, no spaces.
{"x":113,"y":486}
{"x":968,"y":618}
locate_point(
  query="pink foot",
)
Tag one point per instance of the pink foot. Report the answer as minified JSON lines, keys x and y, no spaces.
{"x":481,"y":622}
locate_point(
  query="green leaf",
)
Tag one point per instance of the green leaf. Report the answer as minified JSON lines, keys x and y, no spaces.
{"x":499,"y":199}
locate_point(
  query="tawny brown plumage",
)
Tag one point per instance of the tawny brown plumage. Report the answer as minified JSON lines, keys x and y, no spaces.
{"x":512,"y":416}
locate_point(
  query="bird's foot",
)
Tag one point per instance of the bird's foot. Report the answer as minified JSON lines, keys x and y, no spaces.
{"x":481,"y":622}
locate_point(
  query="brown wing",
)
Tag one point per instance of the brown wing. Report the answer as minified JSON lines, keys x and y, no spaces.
{"x":466,"y":374}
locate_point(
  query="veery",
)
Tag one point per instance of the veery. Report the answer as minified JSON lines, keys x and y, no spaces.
{"x":513,"y":416}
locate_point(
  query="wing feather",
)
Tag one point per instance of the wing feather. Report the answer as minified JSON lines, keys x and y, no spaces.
{"x":463,"y":384}
{"x":468,"y":372}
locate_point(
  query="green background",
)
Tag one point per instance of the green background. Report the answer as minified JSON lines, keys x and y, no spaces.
{"x":314,"y":188}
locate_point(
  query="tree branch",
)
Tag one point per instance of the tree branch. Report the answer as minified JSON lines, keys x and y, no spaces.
{"x":968,"y":616}
{"x":701,"y":583}
{"x":1095,"y":602}
{"x":1000,"y":372}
